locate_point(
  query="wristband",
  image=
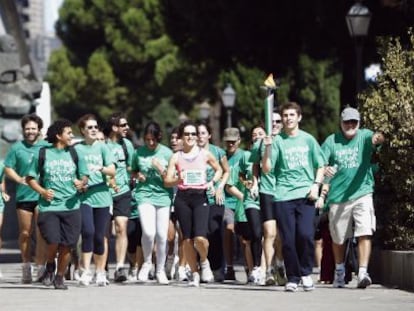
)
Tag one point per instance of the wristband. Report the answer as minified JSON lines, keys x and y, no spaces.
{"x":317,"y":183}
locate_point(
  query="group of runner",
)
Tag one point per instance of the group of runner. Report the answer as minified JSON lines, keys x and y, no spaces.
{"x":175,"y":210}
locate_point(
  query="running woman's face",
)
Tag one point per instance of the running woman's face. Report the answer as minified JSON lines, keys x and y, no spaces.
{"x":31,"y":132}
{"x":350,"y":128}
{"x":258,"y":133}
{"x":203,"y":136}
{"x":190,"y":136}
{"x":150,"y":141}
{"x":90,"y":130}
{"x":176,"y":143}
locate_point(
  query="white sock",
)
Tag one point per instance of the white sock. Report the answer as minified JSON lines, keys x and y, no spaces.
{"x":280,"y":263}
{"x":362,"y":271}
{"x":119,"y":266}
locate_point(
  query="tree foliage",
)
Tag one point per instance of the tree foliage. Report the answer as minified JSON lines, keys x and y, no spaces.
{"x":389,"y":107}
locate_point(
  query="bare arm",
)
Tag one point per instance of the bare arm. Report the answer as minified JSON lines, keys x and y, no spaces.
{"x":12,"y":174}
{"x":232,"y":190}
{"x":47,"y":194}
{"x":170,"y":178}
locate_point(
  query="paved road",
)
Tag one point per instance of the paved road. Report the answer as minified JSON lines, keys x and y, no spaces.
{"x":211,"y":297}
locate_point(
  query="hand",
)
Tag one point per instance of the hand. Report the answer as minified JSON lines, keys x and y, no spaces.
{"x":267,"y":140}
{"x":48,"y":194}
{"x":5,"y":196}
{"x":157,"y":165}
{"x":211,"y":189}
{"x":320,"y":202}
{"x":79,"y":185}
{"x":219,"y":196}
{"x":313,"y":193}
{"x":254,"y":191}
{"x":141,"y":177}
{"x":378,"y":138}
{"x":330,"y":171}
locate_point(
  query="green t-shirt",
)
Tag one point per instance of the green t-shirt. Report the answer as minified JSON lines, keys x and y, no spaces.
{"x":354,"y":177}
{"x":122,"y":163}
{"x":97,"y":154}
{"x":267,"y":181}
{"x":233,"y":160}
{"x":1,"y":180}
{"x":152,"y":190}
{"x":295,"y":160}
{"x":246,"y":169}
{"x":19,"y":158}
{"x":218,"y":153}
{"x":239,"y":212}
{"x":59,"y":172}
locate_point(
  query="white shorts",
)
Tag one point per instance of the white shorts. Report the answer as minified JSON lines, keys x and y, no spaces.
{"x":359,"y":212}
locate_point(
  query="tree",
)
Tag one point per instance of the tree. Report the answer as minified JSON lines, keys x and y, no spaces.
{"x":389,"y":107}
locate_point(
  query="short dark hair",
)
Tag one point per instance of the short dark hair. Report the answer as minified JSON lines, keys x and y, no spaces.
{"x":57,"y":129}
{"x":205,"y":124}
{"x":113,"y":120}
{"x":154,"y":129}
{"x":83,"y":119}
{"x":291,"y":105}
{"x":184,"y":124}
{"x":32,"y":117}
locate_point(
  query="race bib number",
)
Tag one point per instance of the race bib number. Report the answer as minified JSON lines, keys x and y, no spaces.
{"x":194,"y":178}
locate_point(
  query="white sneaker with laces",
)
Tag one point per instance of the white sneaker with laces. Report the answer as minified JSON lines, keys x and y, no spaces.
{"x":307,"y":283}
{"x":206,"y":273}
{"x":195,"y":282}
{"x":162,"y":278}
{"x":291,"y":287}
{"x":101,"y":279}
{"x":144,"y":272}
{"x":339,"y":280}
{"x":85,"y":278}
{"x":364,"y":280}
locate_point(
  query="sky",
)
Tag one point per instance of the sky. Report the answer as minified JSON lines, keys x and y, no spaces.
{"x":51,"y":8}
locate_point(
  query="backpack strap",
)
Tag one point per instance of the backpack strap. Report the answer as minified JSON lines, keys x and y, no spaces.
{"x":125,"y":149}
{"x":75,"y":157}
{"x":41,"y":163}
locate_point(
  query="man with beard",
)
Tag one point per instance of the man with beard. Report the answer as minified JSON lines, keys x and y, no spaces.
{"x":17,"y":162}
{"x":351,"y":188}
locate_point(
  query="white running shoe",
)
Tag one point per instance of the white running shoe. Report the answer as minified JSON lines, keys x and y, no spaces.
{"x":339,"y":280}
{"x":144,"y":272}
{"x":85,"y":278}
{"x":195,"y":280}
{"x":161,"y":278}
{"x":181,"y":274}
{"x":206,"y":273}
{"x":101,"y":279}
{"x":132,"y":274}
{"x":307,"y":283}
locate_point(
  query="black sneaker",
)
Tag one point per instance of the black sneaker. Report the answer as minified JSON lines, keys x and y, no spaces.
{"x":120,"y":275}
{"x":230,"y":274}
{"x":59,"y":282}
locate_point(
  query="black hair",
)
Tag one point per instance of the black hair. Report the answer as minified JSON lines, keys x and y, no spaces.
{"x":154,"y":129}
{"x":205,"y":124}
{"x":32,"y":117}
{"x":184,"y":124}
{"x":112,"y":120}
{"x":57,"y":129}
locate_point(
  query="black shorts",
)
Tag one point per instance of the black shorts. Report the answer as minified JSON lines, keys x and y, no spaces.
{"x":242,"y":229}
{"x":62,"y":228}
{"x":122,"y":205}
{"x":27,"y":206}
{"x":267,"y":207}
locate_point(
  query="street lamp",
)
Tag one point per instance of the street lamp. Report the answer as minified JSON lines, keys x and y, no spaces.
{"x":228,"y":97}
{"x":358,"y":19}
{"x":182,"y":117}
{"x":204,"y":111}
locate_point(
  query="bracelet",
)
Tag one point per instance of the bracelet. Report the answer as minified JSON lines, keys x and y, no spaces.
{"x":317,"y":183}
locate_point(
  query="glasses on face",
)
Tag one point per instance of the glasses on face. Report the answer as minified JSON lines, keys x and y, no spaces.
{"x":123,"y":124}
{"x":351,"y":122}
{"x":190,"y":134}
{"x":231,"y":142}
{"x":90,"y":127}
{"x":277,"y":121}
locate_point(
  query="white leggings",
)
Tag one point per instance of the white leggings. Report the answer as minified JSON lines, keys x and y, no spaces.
{"x":154,"y":223}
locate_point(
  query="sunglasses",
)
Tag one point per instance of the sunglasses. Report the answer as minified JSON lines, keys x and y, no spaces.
{"x":123,"y":125}
{"x":277,"y":121}
{"x":89,"y":127}
{"x":190,"y":134}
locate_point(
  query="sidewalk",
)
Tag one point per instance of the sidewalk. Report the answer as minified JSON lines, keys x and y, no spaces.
{"x":176,"y":296}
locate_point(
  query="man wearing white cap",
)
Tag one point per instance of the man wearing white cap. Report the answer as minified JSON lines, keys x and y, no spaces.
{"x":350,"y":195}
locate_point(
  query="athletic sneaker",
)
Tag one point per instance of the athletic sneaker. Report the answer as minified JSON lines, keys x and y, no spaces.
{"x":27,"y":273}
{"x":120,"y":275}
{"x":181,"y":274}
{"x":76,"y":275}
{"x":85,"y":278}
{"x":144,"y":272}
{"x":256,"y":276}
{"x":151,"y":274}
{"x":59,"y":282}
{"x":339,"y":280}
{"x":48,"y":278}
{"x":101,"y":279}
{"x":280,"y":275}
{"x":270,"y":278}
{"x":291,"y":287}
{"x":40,"y":272}
{"x":170,"y":266}
{"x":206,"y":273}
{"x":307,"y":283}
{"x":218,"y":276}
{"x":162,"y":278}
{"x":132,"y":274}
{"x":364,"y":281}
{"x":195,"y":280}
{"x":230,"y":274}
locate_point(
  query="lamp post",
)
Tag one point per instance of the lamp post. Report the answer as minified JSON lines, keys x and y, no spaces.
{"x":228,"y":98}
{"x":182,"y":117}
{"x":358,"y":19}
{"x":204,"y":111}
